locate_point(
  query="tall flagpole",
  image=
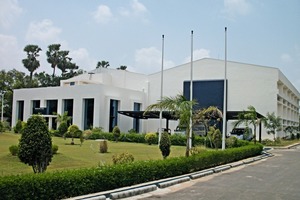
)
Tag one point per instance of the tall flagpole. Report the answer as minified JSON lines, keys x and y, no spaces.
{"x":191,"y":95}
{"x":225,"y":94}
{"x":161,"y":89}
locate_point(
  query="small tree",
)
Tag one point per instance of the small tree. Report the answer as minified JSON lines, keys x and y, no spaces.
{"x":35,"y":146}
{"x":73,"y":131}
{"x":272,"y":123}
{"x":116,"y":132}
{"x":165,"y":145}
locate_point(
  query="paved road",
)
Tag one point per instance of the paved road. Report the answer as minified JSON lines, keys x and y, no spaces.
{"x":275,"y":178}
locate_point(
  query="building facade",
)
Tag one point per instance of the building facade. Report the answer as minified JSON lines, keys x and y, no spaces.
{"x":95,"y":98}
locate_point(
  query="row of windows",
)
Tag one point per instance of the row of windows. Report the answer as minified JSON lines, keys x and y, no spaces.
{"x":88,"y":111}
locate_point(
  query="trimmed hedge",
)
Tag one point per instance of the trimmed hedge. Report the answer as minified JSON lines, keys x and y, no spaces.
{"x":70,"y":183}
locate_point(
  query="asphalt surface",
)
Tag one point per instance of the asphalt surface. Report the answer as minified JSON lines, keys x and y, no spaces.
{"x":277,"y":178}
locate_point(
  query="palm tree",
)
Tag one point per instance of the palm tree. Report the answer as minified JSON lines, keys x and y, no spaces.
{"x":103,"y":64}
{"x":272,"y":123}
{"x":181,"y":107}
{"x":63,"y":117}
{"x":31,"y":63}
{"x":53,"y":56}
{"x":248,"y":117}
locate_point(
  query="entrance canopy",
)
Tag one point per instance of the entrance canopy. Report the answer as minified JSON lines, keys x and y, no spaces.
{"x":149,"y":114}
{"x":233,"y":115}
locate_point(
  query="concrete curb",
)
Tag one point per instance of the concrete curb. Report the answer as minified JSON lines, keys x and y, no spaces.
{"x":160,"y":184}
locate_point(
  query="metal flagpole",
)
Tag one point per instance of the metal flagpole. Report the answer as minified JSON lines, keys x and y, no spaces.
{"x":225,"y":94}
{"x":2,"y":105}
{"x":191,"y":95}
{"x":161,"y":89}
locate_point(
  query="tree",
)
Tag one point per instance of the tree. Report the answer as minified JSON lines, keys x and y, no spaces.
{"x":53,"y":56}
{"x":63,"y":117}
{"x":103,"y":64}
{"x":248,"y":117}
{"x":165,"y":145}
{"x":116,"y":132}
{"x":31,"y":63}
{"x":122,"y":67}
{"x":272,"y":123}
{"x":73,"y":131}
{"x":181,"y":108}
{"x":35,"y":146}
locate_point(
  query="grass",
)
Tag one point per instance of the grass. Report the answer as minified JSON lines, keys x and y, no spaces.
{"x":76,"y":156}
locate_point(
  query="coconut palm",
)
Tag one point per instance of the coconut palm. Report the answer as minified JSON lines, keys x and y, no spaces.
{"x":181,"y":108}
{"x":272,"y":123}
{"x":248,"y":117}
{"x":103,"y":64}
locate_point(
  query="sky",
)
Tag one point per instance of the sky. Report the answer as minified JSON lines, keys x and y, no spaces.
{"x":129,"y":32}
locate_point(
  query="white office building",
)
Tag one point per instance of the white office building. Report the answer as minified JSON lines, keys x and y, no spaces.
{"x":97,"y":98}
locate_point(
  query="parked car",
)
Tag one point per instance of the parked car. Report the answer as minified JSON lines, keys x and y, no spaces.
{"x":242,"y":133}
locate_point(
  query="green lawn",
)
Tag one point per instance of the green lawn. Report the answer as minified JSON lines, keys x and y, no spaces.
{"x":76,"y":156}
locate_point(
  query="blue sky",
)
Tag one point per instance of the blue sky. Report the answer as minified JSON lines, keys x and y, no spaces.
{"x":128,"y":32}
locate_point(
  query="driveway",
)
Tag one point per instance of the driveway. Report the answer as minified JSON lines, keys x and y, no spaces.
{"x":276,"y":178}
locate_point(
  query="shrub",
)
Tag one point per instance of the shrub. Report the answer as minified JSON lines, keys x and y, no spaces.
{"x":73,"y":131}
{"x":293,"y":136}
{"x":298,"y":136}
{"x":165,"y":145}
{"x":103,"y":146}
{"x":151,"y":138}
{"x":13,"y":149}
{"x":231,"y":142}
{"x":116,"y":132}
{"x":70,"y":183}
{"x":63,"y":128}
{"x":197,"y":150}
{"x":54,"y":149}
{"x":19,"y":126}
{"x":35,"y":144}
{"x":122,"y":158}
{"x":87,"y":133}
{"x":1,"y":127}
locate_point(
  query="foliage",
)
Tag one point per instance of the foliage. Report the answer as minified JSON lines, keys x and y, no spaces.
{"x":231,"y":142}
{"x":103,"y":146}
{"x":197,"y":150}
{"x":35,"y":144}
{"x":31,"y":63}
{"x":19,"y":126}
{"x":87,"y":133}
{"x":1,"y":127}
{"x":116,"y":132}
{"x":63,"y":117}
{"x":272,"y":123}
{"x":123,"y":158}
{"x":103,"y":64}
{"x":54,"y":149}
{"x":151,"y":138}
{"x":13,"y":149}
{"x":248,"y":117}
{"x":62,"y":128}
{"x":165,"y":145}
{"x":70,"y":183}
{"x":73,"y":131}
{"x":181,"y":108}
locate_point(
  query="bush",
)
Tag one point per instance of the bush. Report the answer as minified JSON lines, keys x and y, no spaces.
{"x":62,"y":128}
{"x":70,"y":183}
{"x":298,"y":136}
{"x":103,"y":146}
{"x":231,"y":142}
{"x":151,"y":138}
{"x":35,"y":144}
{"x":73,"y":132}
{"x":54,"y":149}
{"x":13,"y":149}
{"x":122,"y":158}
{"x":197,"y":150}
{"x":87,"y":133}
{"x":165,"y":145}
{"x":19,"y":126}
{"x":116,"y":132}
{"x":293,"y":136}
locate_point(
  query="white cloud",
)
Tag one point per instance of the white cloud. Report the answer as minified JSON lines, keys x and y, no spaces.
{"x":236,"y":7}
{"x":148,"y":60}
{"x":82,"y":58}
{"x":43,"y":31}
{"x":286,"y":57}
{"x":10,"y":53}
{"x":198,"y":54}
{"x":136,"y":8}
{"x":9,"y":11}
{"x":103,"y":14}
